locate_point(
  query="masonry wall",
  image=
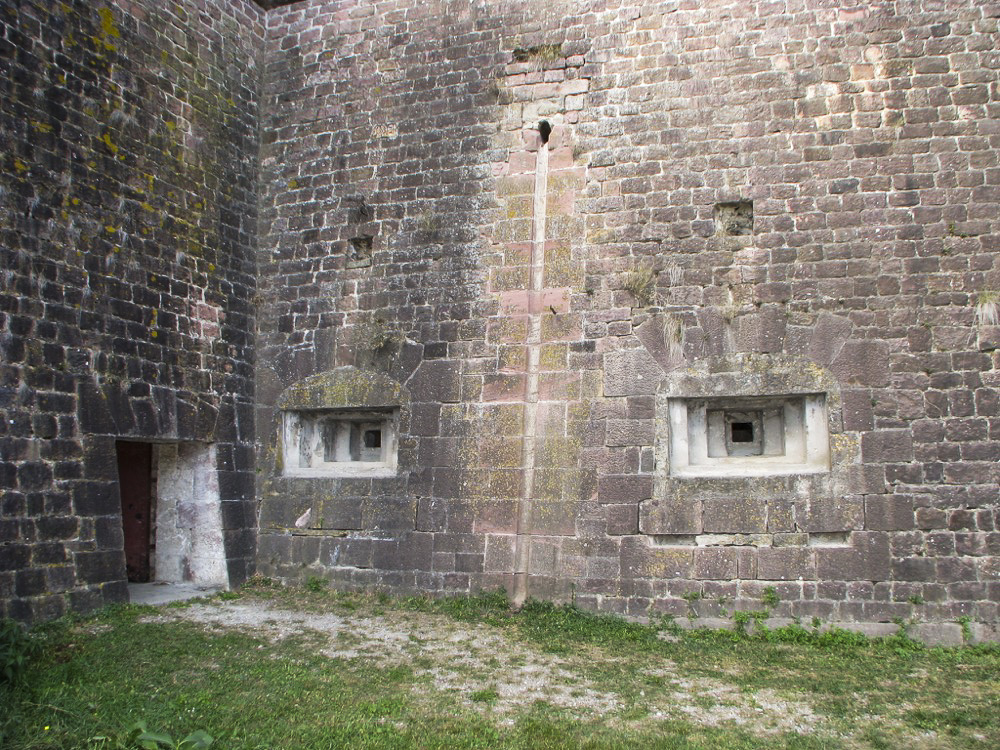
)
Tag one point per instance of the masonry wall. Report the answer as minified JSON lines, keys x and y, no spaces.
{"x":129,"y":135}
{"x":533,"y":447}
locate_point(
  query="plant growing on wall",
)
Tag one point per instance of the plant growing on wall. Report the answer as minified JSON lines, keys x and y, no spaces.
{"x":641,"y":284}
{"x":673,"y":335}
{"x":375,"y":334}
{"x":539,"y":55}
{"x":988,"y":308}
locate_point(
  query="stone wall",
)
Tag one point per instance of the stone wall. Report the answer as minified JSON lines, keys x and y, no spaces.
{"x":660,"y":307}
{"x":536,"y":218}
{"x":128,"y":214}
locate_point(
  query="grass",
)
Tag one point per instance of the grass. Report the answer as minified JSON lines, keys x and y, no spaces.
{"x":605,"y":682}
{"x":641,"y":284}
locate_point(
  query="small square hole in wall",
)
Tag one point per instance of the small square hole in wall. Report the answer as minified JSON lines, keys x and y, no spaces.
{"x":734,"y":219}
{"x":360,"y":253}
{"x":749,"y":436}
{"x":339,"y":443}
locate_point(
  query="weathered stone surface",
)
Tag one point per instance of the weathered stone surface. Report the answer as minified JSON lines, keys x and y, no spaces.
{"x":739,"y":515}
{"x":889,"y":513}
{"x":786,"y":564}
{"x":204,"y":225}
{"x":626,"y":488}
{"x":141,"y":211}
{"x":887,"y":446}
{"x":867,"y":559}
{"x":863,"y":363}
{"x":670,"y":516}
{"x":828,"y":338}
{"x":716,"y":563}
{"x":633,"y":372}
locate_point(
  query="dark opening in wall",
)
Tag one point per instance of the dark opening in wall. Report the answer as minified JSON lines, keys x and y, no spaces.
{"x":539,"y":54}
{"x":734,"y":219}
{"x":337,"y":443}
{"x":544,"y":130}
{"x":742,"y":432}
{"x":360,"y":254}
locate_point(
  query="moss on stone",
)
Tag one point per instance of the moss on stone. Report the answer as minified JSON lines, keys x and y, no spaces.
{"x":344,"y":388}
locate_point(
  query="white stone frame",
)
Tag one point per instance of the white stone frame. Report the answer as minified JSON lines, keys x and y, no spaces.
{"x":803,"y":447}
{"x":305,"y":452}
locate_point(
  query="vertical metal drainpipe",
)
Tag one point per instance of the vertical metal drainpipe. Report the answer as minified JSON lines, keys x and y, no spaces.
{"x":522,"y":547}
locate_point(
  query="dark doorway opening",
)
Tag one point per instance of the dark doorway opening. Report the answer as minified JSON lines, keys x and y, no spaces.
{"x":135,"y":482}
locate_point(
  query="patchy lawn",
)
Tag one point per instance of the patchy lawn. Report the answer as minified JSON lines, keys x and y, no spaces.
{"x":271,"y":667}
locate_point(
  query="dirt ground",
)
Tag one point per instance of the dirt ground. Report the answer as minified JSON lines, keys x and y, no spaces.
{"x":463,"y":659}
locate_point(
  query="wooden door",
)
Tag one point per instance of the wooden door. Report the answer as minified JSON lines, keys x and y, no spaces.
{"x":135,"y":464}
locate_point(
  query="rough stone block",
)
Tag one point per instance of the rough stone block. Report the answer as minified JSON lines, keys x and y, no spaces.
{"x":642,"y":561}
{"x":622,"y":432}
{"x":786,"y":564}
{"x":762,"y":331}
{"x":887,"y":446}
{"x":716,"y":563}
{"x":867,"y":559}
{"x":742,"y":515}
{"x":828,"y":337}
{"x":832,"y":514}
{"x":436,"y":380}
{"x":888,"y":513}
{"x":674,"y":515}
{"x":857,"y":410}
{"x":553,"y":517}
{"x":495,"y":516}
{"x":947,"y":634}
{"x":622,"y":519}
{"x":499,"y":554}
{"x":98,"y":567}
{"x":388,"y":513}
{"x":624,"y":488}
{"x":96,"y":498}
{"x":863,"y":363}
{"x":633,"y":372}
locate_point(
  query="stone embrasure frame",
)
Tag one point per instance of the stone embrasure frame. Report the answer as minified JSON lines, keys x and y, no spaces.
{"x":337,"y":443}
{"x":786,"y":434}
{"x":757,"y":494}
{"x":336,"y":402}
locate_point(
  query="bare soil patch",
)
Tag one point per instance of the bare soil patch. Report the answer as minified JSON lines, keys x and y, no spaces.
{"x":480,"y":667}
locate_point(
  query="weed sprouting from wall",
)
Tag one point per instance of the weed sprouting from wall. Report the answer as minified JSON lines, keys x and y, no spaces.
{"x":121,"y":119}
{"x":988,"y":309}
{"x":731,"y":309}
{"x":375,"y":334}
{"x":539,"y":55}
{"x":673,"y":335}
{"x":359,"y":210}
{"x":641,"y":284}
{"x":675,"y":275}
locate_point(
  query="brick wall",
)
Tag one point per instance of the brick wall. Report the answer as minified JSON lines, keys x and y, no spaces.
{"x":526,"y":233}
{"x":128,"y":222}
{"x":531,"y":448}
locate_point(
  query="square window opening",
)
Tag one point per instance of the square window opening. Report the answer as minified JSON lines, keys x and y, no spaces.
{"x":748,"y":436}
{"x":734,"y":219}
{"x":340,"y":443}
{"x":360,"y":252}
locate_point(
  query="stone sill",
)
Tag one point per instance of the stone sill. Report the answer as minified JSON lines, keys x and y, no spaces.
{"x":345,"y":472}
{"x":745,"y":470}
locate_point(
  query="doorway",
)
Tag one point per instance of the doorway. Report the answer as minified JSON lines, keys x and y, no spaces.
{"x":135,"y":482}
{"x":171,"y":514}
